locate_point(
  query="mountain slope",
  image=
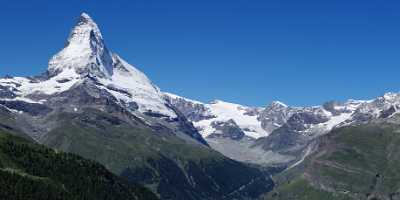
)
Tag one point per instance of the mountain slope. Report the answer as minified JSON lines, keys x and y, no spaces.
{"x":93,"y":103}
{"x":32,"y":171}
{"x":354,"y":162}
{"x":174,"y":168}
{"x":275,"y":135}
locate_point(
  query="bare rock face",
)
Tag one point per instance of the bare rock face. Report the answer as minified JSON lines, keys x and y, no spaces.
{"x":275,"y":115}
{"x":228,"y":129}
{"x":7,"y":92}
{"x":302,"y":120}
{"x":192,"y":110}
{"x":379,"y":107}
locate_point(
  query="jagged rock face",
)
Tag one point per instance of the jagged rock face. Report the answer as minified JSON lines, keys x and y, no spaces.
{"x":250,"y":111}
{"x":284,"y":142}
{"x":192,"y":110}
{"x":388,"y":112}
{"x":30,"y":108}
{"x":378,"y":107}
{"x":332,"y":106}
{"x":300,"y":121}
{"x":274,"y":116}
{"x":7,"y":92}
{"x":228,"y":129}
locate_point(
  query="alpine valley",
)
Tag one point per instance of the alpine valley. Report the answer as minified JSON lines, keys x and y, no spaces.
{"x":126,"y":139}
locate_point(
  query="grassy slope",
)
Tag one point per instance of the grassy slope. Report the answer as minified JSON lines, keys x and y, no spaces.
{"x":357,"y":162}
{"x":31,"y":171}
{"x":172,"y":167}
{"x":300,"y":189}
{"x":8,"y":123}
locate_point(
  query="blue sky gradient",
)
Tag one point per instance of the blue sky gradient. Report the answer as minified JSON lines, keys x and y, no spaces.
{"x":249,"y":52}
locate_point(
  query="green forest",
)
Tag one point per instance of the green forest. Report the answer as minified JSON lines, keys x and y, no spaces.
{"x":30,"y":171}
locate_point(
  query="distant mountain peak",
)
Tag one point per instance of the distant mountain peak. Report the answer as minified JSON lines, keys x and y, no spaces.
{"x":84,"y":17}
{"x":85,"y":29}
{"x":278,"y":104}
{"x":85,"y":52}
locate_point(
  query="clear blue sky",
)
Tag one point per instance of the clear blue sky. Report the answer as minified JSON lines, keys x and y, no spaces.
{"x":250,"y":52}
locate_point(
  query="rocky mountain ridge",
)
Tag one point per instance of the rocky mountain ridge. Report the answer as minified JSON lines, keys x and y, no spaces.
{"x":277,"y":134}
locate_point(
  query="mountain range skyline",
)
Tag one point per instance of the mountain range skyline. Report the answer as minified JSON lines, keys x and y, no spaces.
{"x":193,"y":61}
{"x":94,"y":117}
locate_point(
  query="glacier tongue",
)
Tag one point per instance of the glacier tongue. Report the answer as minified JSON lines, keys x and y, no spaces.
{"x":85,"y":52}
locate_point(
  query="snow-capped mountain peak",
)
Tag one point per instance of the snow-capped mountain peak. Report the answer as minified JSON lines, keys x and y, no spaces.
{"x":278,"y":104}
{"x":86,"y":57}
{"x":206,"y":117}
{"x":83,"y":30}
{"x":85,"y":52}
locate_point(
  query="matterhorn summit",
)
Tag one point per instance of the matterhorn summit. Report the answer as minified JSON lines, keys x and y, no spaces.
{"x":85,"y":57}
{"x":85,"y":52}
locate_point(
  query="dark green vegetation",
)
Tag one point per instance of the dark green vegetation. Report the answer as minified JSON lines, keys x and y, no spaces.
{"x":29,"y":171}
{"x":355,"y":162}
{"x":174,"y":168}
{"x":300,"y":189}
